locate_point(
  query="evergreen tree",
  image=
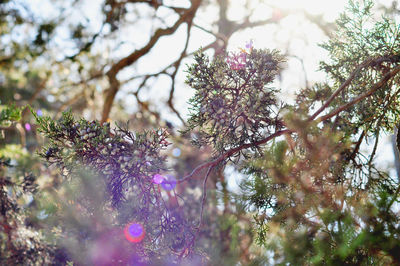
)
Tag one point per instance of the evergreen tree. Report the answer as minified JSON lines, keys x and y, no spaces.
{"x":310,"y":192}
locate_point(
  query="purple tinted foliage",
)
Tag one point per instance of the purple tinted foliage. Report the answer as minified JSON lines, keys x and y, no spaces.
{"x":129,"y":164}
{"x":169,"y":182}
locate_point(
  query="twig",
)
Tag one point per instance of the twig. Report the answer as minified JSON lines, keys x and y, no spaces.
{"x":306,"y":83}
{"x":215,"y":34}
{"x":68,"y":103}
{"x":173,"y":75}
{"x":34,"y":96}
{"x":203,"y":200}
{"x":357,"y":147}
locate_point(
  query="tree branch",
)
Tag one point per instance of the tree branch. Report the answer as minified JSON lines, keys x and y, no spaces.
{"x":374,"y":88}
{"x":233,"y":151}
{"x":366,"y":63}
{"x":133,"y":57}
{"x":341,"y":88}
{"x":173,"y":75}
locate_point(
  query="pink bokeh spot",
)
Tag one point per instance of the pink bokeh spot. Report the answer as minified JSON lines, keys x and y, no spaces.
{"x":28,"y":127}
{"x":158,"y":179}
{"x":277,"y":15}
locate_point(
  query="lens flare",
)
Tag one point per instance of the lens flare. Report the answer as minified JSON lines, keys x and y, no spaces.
{"x":28,"y":127}
{"x":169,"y":183}
{"x":176,"y":152}
{"x":134,"y":232}
{"x":158,"y":179}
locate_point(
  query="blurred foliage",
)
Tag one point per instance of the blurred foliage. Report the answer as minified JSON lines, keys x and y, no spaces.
{"x":9,"y":114}
{"x":22,"y":242}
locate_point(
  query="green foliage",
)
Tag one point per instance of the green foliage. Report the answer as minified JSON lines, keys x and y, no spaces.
{"x":21,"y":242}
{"x":9,"y":114}
{"x":44,"y":33}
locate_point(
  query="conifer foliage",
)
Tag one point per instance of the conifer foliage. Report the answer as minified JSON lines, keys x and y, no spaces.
{"x":235,"y":102}
{"x":310,"y":191}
